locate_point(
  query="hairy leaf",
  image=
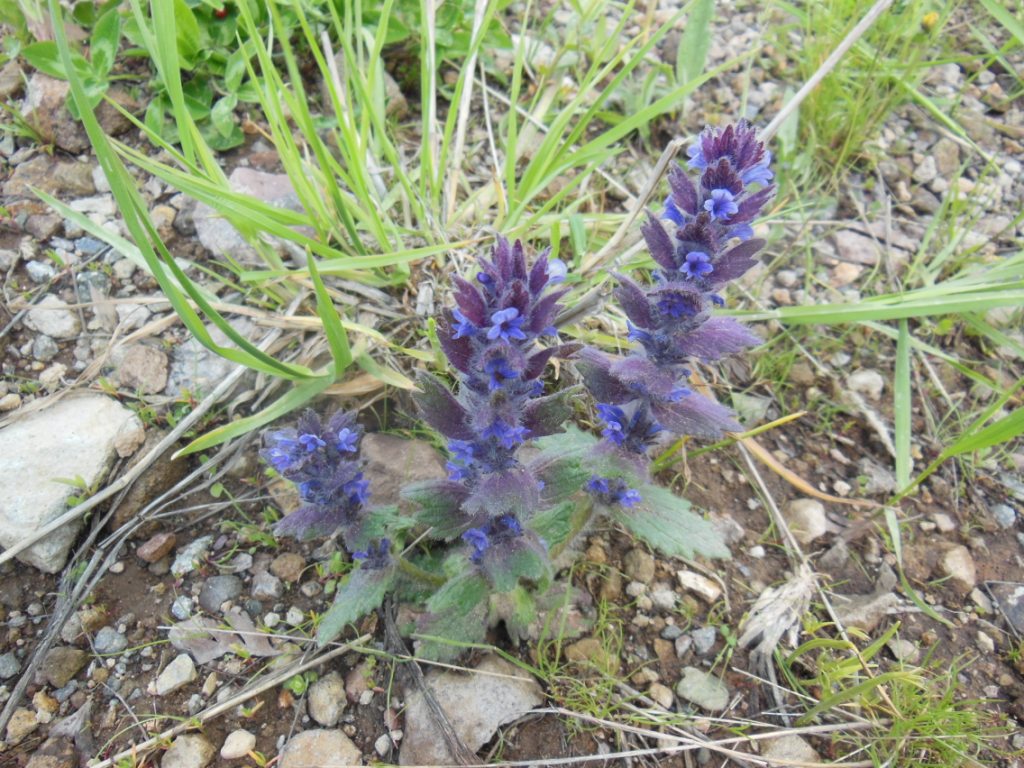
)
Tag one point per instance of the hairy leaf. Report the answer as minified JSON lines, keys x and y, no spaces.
{"x":363,"y":591}
{"x":666,"y":522}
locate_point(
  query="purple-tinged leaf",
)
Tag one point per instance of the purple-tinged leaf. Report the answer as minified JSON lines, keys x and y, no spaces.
{"x":502,"y":258}
{"x":544,"y":311}
{"x":684,"y":194}
{"x":633,"y":301}
{"x":512,"y":492}
{"x":721,"y":176}
{"x":644,"y":377}
{"x":537,"y":362}
{"x":695,"y":415}
{"x":735,"y":262}
{"x":594,"y":367}
{"x":659,"y":243}
{"x":458,"y":351}
{"x":547,"y":415}
{"x":751,"y":206}
{"x":714,"y":339}
{"x":440,"y":409}
{"x":512,"y":559}
{"x":699,"y":235}
{"x":518,"y":261}
{"x":470,"y":301}
{"x":439,"y":506}
{"x":311,"y":521}
{"x":539,"y":272}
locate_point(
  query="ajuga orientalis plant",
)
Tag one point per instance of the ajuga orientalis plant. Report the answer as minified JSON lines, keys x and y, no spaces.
{"x":480,"y":545}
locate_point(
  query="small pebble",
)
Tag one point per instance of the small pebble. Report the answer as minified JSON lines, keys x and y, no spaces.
{"x":238,"y":744}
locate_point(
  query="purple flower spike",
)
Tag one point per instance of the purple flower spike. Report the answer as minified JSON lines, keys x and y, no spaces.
{"x":348,"y":440}
{"x":721,"y":205}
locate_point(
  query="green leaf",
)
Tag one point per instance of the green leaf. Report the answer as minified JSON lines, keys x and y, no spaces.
{"x":187,"y":29}
{"x":458,"y":616}
{"x":105,"y":39}
{"x":234,"y":70}
{"x":440,"y":503}
{"x":222,"y":116}
{"x":45,"y":57}
{"x":696,"y":39}
{"x":1005,"y":429}
{"x":337,"y":339}
{"x":665,"y":521}
{"x":555,"y":524}
{"x":363,"y":591}
{"x":574,"y":442}
{"x":562,"y":477}
{"x":517,"y":609}
{"x":521,"y":559}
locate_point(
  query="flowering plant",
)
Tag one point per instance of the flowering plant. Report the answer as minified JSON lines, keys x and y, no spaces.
{"x":494,"y":526}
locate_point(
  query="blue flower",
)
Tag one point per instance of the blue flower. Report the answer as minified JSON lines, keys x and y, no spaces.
{"x":500,"y":371}
{"x":629,"y":497}
{"x":284,"y":451}
{"x":463,"y":327}
{"x":506,"y":435}
{"x":696,"y":155}
{"x":721,"y":204}
{"x":478,"y":539}
{"x":557,"y":270}
{"x":616,"y":420}
{"x":672,"y":212}
{"x":311,"y":442}
{"x":760,"y":173}
{"x":507,"y":325}
{"x":697,"y":264}
{"x":348,"y":441}
{"x":374,"y":557}
{"x":511,"y":524}
{"x":461,"y":450}
{"x":356,"y":489}
{"x":638,"y":334}
{"x":612,"y":491}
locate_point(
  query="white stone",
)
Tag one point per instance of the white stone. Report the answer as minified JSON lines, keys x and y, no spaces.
{"x":191,"y":751}
{"x":867,"y":382}
{"x":959,"y":566}
{"x":704,"y":587}
{"x":54,"y":318}
{"x":177,"y":674}
{"x":318,"y":748}
{"x":327,"y":699}
{"x":72,"y":438}
{"x":806,"y":518}
{"x":238,"y":744}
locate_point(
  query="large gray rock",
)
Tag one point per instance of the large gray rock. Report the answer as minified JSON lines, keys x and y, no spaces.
{"x":392,"y":462}
{"x":198,"y":370}
{"x":476,"y":704}
{"x":75,"y":438}
{"x":219,"y":236}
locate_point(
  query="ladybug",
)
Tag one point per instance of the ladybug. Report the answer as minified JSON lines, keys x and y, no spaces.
{"x":221,"y":13}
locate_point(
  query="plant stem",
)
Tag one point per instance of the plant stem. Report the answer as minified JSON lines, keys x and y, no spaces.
{"x":410,"y":569}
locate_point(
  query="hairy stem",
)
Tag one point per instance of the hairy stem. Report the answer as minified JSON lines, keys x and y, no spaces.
{"x":411,"y":569}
